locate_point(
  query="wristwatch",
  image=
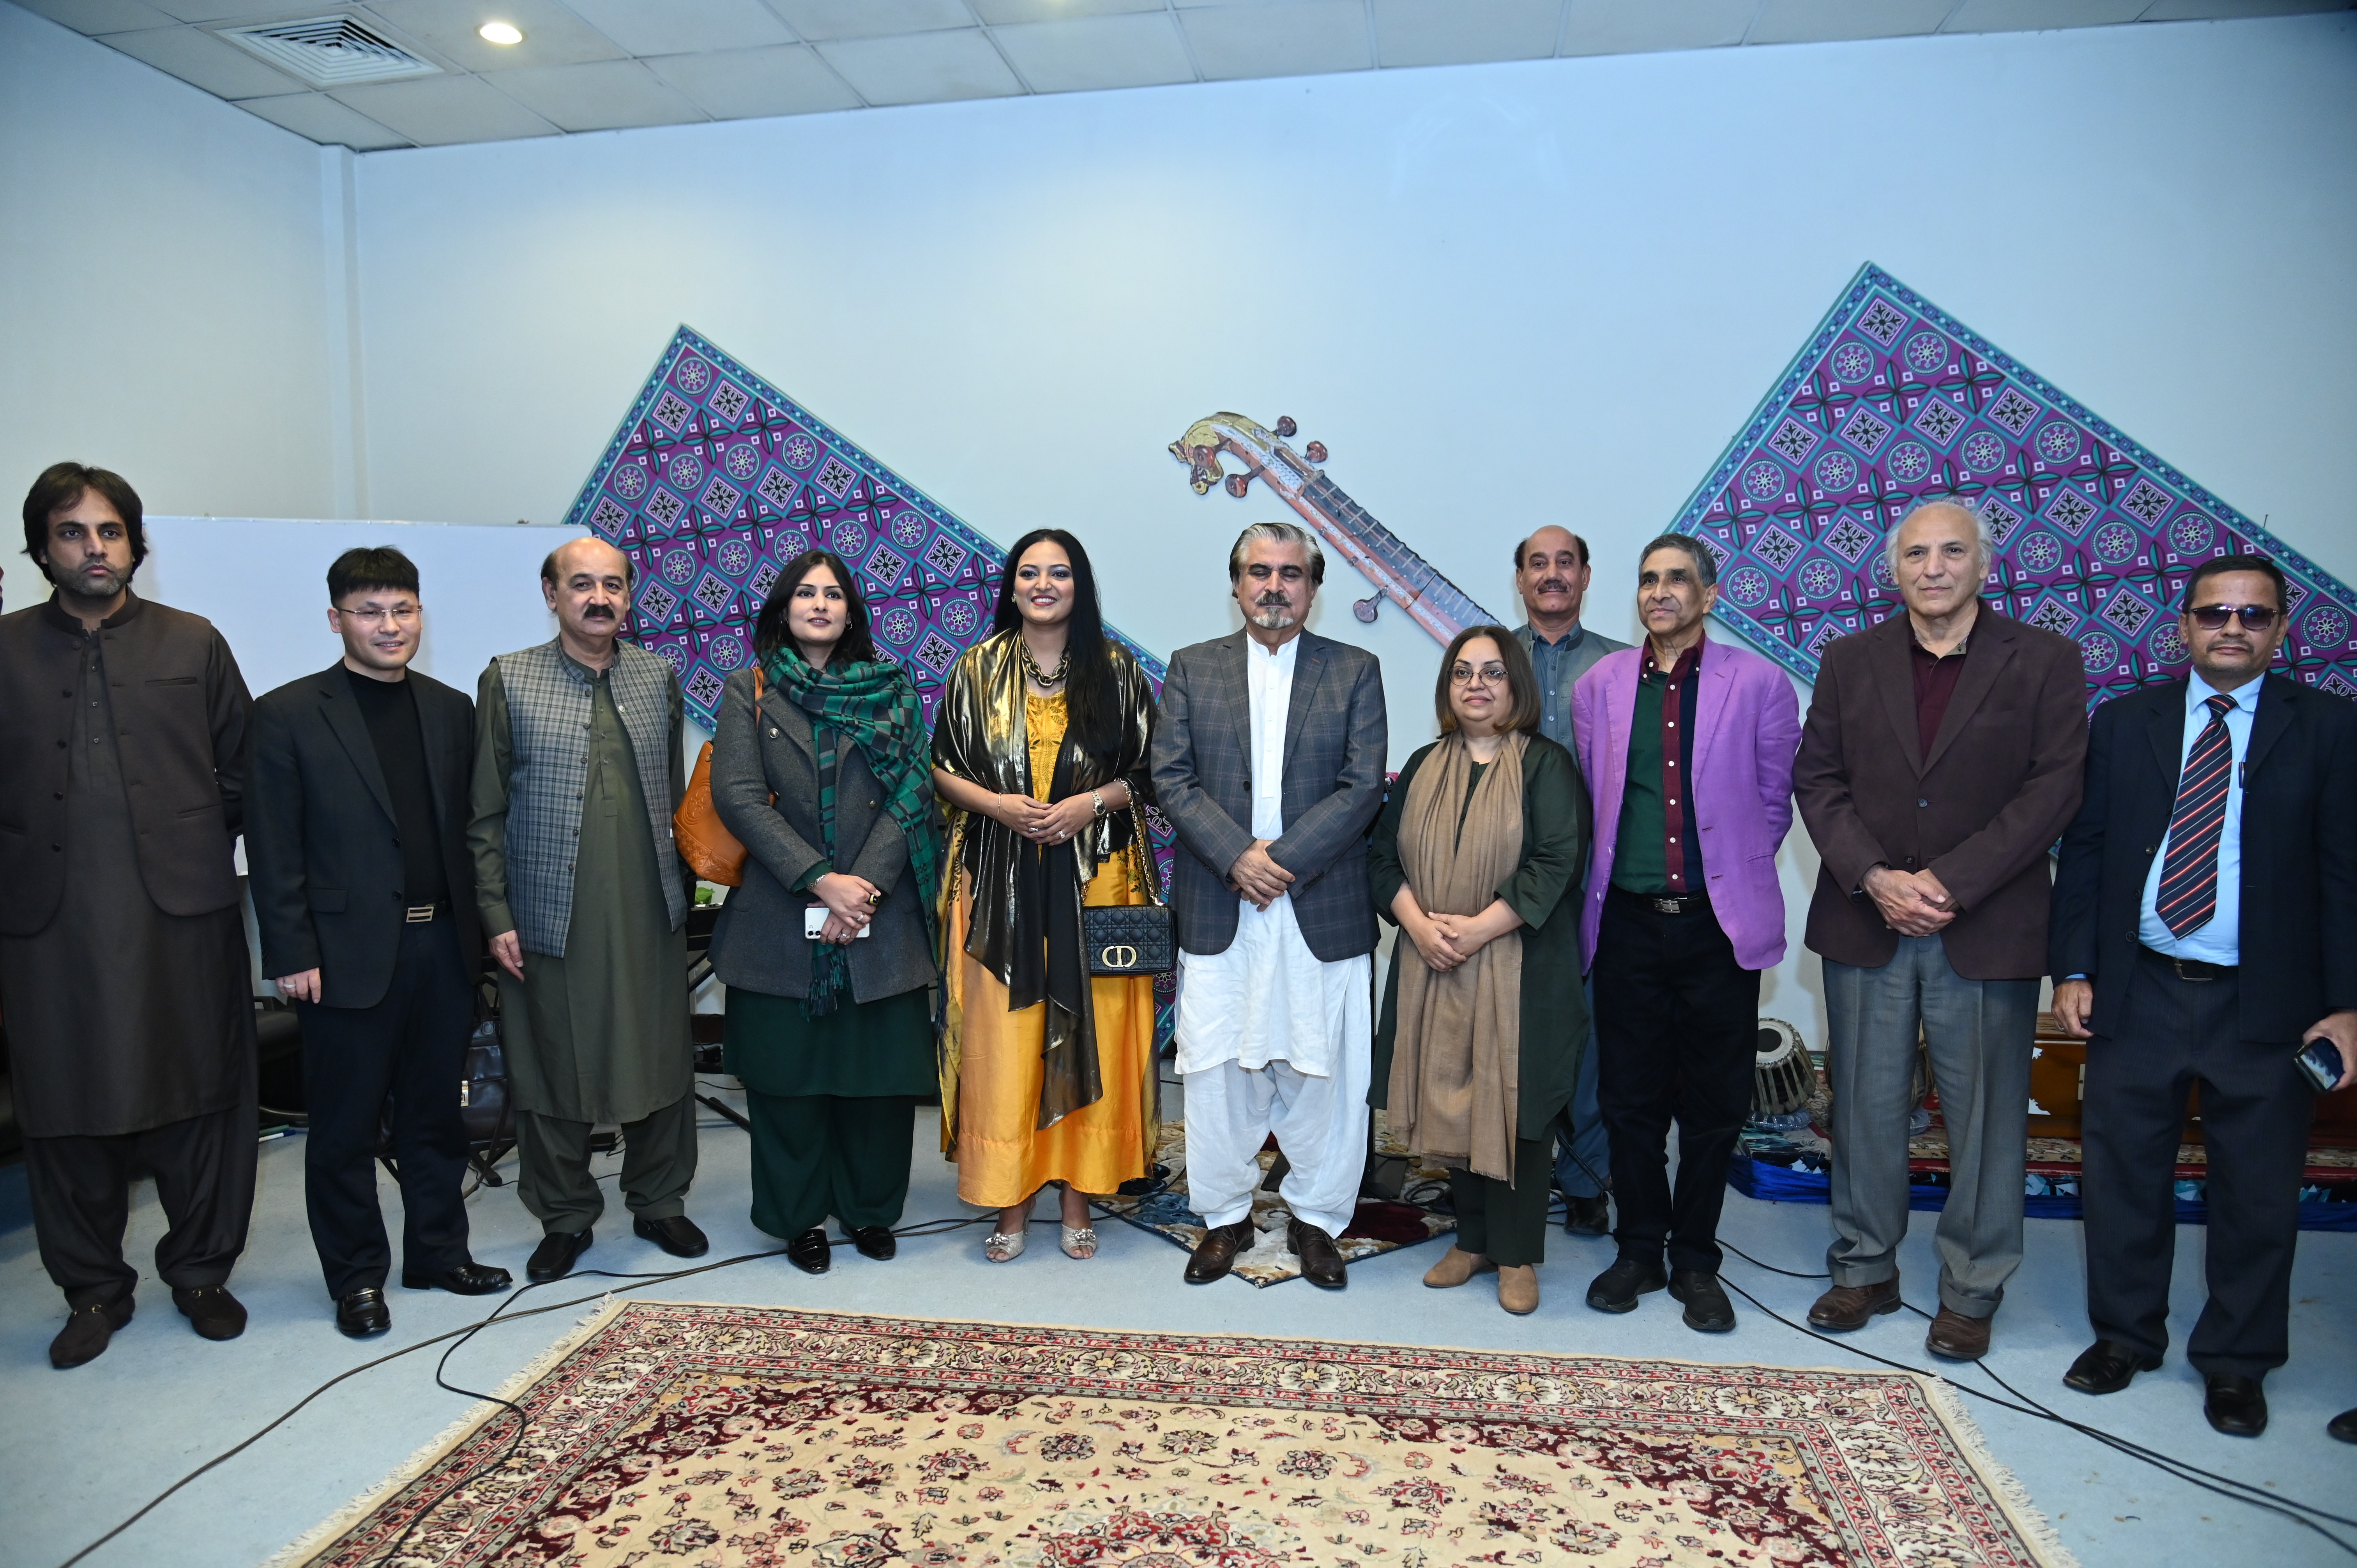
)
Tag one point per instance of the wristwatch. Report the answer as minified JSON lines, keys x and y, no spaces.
{"x":1098,"y":796}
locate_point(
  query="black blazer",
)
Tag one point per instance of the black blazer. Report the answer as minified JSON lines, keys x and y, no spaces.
{"x":322,"y":850}
{"x":2299,"y":936}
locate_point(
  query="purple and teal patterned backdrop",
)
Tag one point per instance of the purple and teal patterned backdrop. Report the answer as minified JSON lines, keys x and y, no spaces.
{"x":1893,"y":400}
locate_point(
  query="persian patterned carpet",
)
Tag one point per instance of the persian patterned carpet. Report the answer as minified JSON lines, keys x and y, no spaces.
{"x":667,"y":1432}
{"x":1378,"y":1228}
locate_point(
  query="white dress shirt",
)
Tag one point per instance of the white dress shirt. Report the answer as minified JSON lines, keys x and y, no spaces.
{"x":1269,"y":680}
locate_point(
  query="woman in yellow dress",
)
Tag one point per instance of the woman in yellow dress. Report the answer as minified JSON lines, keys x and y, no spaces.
{"x":1039,"y":751}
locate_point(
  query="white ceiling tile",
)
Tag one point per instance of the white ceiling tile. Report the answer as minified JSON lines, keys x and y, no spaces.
{"x":997,"y":12}
{"x":601,"y":95}
{"x":1637,"y":27}
{"x":748,"y":84}
{"x":202,"y":60}
{"x":1460,"y":32}
{"x":823,"y":19}
{"x":95,"y":16}
{"x":1822,"y":21}
{"x":437,"y":111}
{"x":1090,"y":53}
{"x":684,"y":27}
{"x":2218,"y":10}
{"x":552,"y":34}
{"x":2037,"y":15}
{"x":924,"y":68}
{"x":1300,"y":37}
{"x":231,"y":10}
{"x":325,"y":120}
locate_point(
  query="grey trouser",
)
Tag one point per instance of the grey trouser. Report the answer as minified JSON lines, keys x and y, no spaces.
{"x":553,"y":1167}
{"x":1979,"y":1034}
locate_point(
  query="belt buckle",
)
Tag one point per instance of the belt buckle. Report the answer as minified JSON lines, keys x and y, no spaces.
{"x":419,"y":914}
{"x":1669,"y":906}
{"x":2185,"y":968}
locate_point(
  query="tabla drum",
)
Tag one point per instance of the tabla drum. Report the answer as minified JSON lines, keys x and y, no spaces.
{"x":1784,"y":1074}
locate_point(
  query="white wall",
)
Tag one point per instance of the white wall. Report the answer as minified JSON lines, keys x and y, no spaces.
{"x":164,"y":286}
{"x":1503,"y":295}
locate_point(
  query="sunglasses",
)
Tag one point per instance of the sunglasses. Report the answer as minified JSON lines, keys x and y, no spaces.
{"x":2254,"y":617}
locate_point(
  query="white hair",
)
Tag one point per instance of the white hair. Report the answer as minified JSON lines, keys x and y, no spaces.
{"x":1283,"y":534}
{"x":1984,"y":542}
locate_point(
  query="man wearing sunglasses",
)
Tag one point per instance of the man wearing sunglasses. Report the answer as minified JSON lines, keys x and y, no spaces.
{"x":2205,"y":928}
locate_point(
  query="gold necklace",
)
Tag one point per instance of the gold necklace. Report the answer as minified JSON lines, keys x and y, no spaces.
{"x":1031,"y":666}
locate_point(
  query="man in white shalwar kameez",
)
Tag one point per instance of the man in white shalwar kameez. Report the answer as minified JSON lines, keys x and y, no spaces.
{"x":1268,"y":759}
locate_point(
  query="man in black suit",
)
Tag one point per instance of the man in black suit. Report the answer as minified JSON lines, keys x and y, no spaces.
{"x":2204,"y":929}
{"x":357,"y":844}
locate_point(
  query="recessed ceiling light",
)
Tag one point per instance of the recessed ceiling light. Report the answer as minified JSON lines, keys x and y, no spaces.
{"x":500,"y":33}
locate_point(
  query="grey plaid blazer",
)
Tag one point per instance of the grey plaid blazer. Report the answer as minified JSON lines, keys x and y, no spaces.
{"x":1336,"y":742}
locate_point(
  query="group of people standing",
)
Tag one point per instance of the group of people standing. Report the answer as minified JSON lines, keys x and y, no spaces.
{"x":1581,"y":868}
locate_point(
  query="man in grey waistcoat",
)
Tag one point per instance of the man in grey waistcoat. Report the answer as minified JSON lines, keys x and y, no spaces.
{"x":578,"y":771}
{"x":1551,"y":572}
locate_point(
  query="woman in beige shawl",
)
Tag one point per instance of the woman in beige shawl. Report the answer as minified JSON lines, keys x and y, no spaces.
{"x":1475,"y":858}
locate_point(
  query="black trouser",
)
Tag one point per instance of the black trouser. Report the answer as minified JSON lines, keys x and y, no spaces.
{"x":1507,"y":1222}
{"x":408,"y":1051}
{"x":1677,"y":1020}
{"x":80,"y":1191}
{"x":816,"y":1155}
{"x":2255,"y":1107}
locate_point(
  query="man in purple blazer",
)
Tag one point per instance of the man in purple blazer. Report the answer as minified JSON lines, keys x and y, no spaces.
{"x":1688,"y":746}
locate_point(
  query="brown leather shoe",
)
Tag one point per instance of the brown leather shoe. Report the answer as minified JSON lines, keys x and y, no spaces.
{"x":1956,"y":1337}
{"x":1321,"y":1261}
{"x":1215,"y":1254}
{"x":1518,"y":1289}
{"x":1844,"y":1307}
{"x":1456,"y":1266}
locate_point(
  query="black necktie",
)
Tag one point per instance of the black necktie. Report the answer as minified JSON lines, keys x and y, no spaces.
{"x":2188,"y":877}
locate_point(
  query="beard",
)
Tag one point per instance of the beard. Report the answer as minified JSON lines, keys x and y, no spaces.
{"x":102,"y":584}
{"x":1271,"y":612}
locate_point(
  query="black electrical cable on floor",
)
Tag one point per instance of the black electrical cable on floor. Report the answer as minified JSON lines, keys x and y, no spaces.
{"x":2176,"y":1469}
{"x":499,"y":1314}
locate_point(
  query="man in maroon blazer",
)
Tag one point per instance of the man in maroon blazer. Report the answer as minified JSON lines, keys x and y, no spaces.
{"x":1941,"y":759}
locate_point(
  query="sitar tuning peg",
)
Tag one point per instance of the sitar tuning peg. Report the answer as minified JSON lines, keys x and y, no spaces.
{"x":1314,"y":451}
{"x":1238,"y":484}
{"x":1285,"y":428}
{"x":1365,"y":608}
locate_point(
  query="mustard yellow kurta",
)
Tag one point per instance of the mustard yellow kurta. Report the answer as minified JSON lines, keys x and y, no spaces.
{"x":1002,"y":1156}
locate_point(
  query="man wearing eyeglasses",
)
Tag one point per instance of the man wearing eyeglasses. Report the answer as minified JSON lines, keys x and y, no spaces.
{"x":1940,"y":760}
{"x":1688,"y":747}
{"x":362,"y":888}
{"x":2205,"y":928}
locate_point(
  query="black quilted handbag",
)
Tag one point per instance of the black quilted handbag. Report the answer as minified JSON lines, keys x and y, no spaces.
{"x":1130,"y":938}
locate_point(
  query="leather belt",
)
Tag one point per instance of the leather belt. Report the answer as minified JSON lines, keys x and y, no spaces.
{"x":419,"y":914}
{"x":1664,"y":904}
{"x":2199,"y":971}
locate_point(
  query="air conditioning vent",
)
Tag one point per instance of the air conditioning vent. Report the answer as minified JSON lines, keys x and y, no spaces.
{"x":331,"y":51}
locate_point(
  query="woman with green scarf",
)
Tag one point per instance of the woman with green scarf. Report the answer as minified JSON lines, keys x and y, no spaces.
{"x":820,"y":768}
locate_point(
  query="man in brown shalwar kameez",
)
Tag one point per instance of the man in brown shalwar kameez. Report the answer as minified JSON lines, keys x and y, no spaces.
{"x":123,"y":969}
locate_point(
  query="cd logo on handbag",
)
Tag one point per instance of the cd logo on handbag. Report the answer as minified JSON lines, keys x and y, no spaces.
{"x":1118,"y":957}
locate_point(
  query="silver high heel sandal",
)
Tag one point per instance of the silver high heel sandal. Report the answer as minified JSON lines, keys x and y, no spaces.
{"x":1003,"y":1246}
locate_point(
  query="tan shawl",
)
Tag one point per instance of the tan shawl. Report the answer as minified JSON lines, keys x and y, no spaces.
{"x":1456,"y":1058}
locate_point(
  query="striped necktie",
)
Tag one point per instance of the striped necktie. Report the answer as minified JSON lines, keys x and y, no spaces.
{"x":2188,"y":877}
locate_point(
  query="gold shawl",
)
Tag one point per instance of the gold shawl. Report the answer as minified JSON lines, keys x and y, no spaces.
{"x":1456,"y":1056}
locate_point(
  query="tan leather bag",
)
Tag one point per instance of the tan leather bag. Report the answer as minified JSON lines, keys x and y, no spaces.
{"x":703,"y":840}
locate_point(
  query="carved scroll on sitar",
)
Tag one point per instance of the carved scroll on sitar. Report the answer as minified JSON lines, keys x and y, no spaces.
{"x":1398,"y":572}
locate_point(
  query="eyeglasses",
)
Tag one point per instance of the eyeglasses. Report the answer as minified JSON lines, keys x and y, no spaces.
{"x":1488,"y":675}
{"x":2214,"y":618}
{"x":399,"y":614}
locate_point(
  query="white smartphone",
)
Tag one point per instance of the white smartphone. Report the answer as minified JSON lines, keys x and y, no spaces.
{"x":814,"y":922}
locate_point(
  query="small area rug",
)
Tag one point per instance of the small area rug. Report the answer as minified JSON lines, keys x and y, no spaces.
{"x":668,"y":1433}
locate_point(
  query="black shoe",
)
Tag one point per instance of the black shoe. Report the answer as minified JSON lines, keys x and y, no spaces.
{"x":1586,"y":1216}
{"x":2342,"y":1427}
{"x":1215,"y":1254}
{"x":2236,"y":1405}
{"x":84,"y":1337}
{"x":557,"y":1253}
{"x":460,"y":1279}
{"x":1618,"y":1287}
{"x":211,"y":1310}
{"x":360,"y":1313}
{"x":677,"y":1235}
{"x":876,"y":1241}
{"x":809,"y":1251}
{"x":1321,"y":1261}
{"x":1708,"y":1309}
{"x":2106,"y":1367}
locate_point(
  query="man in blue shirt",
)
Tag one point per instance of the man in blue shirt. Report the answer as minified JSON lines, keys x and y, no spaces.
{"x":2205,"y":928}
{"x":1551,"y":572}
